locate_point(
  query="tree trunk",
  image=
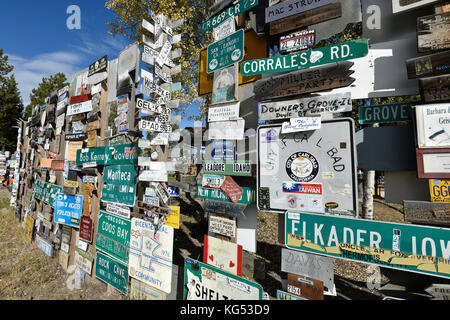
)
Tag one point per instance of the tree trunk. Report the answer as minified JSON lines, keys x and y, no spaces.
{"x":369,"y":185}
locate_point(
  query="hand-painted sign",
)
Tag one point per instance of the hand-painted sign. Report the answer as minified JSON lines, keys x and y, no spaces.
{"x":305,"y":107}
{"x":300,"y":170}
{"x":306,"y":59}
{"x":224,"y":112}
{"x":205,"y":282}
{"x":228,"y":168}
{"x":297,"y":41}
{"x":68,"y":209}
{"x":151,"y":253}
{"x":385,"y":113}
{"x":291,"y":7}
{"x":222,"y":226}
{"x":232,"y":189}
{"x":439,"y":190}
{"x":223,"y":254}
{"x":399,"y":246}
{"x":112,"y":272}
{"x":249,"y":196}
{"x":113,"y":235}
{"x":226,"y":52}
{"x":241,"y":7}
{"x":300,"y":82}
{"x":224,"y":208}
{"x":119,"y":185}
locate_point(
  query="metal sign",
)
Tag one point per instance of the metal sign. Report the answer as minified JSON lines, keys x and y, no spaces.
{"x":228,"y":168}
{"x":112,"y":272}
{"x":145,"y":125}
{"x":86,"y":227}
{"x":398,"y":246}
{"x":151,"y":254}
{"x":226,"y":52}
{"x":313,"y":171}
{"x":435,"y":89}
{"x":149,"y":106}
{"x":241,"y":7}
{"x":439,"y":190}
{"x":83,"y":260}
{"x":249,"y":196}
{"x":297,"y":41}
{"x":121,"y":211}
{"x":281,"y":295}
{"x":341,"y":102}
{"x":98,"y":66}
{"x":113,"y":235}
{"x":78,"y":108}
{"x":385,"y":113}
{"x":109,"y":155}
{"x":205,"y":282}
{"x":119,"y":185}
{"x":305,"y":287}
{"x":223,"y":254}
{"x":224,"y":29}
{"x":427,"y":66}
{"x":68,"y":209}
{"x":291,"y":7}
{"x":306,"y":59}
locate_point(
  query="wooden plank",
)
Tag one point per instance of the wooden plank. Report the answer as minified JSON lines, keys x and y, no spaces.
{"x":305,"y":287}
{"x":330,"y":76}
{"x":435,"y":89}
{"x":428,"y":213}
{"x":304,"y":19}
{"x":429,"y":65}
{"x":433,"y":32}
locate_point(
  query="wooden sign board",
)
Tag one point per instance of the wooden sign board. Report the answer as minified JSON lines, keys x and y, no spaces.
{"x":292,"y":7}
{"x":439,"y":291}
{"x":433,"y":32}
{"x":57,"y":165}
{"x":427,"y":213}
{"x":222,"y":226}
{"x":305,"y":287}
{"x":327,"y":77}
{"x":435,"y":89}
{"x":223,"y":208}
{"x":427,"y":66}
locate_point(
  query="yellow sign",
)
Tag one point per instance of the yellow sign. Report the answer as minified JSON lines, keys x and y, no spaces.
{"x":254,"y":48}
{"x":439,"y":190}
{"x":173,"y":219}
{"x":70,"y":183}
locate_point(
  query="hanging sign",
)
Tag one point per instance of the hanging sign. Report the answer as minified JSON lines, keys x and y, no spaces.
{"x":205,"y":282}
{"x":113,"y":235}
{"x":226,"y":52}
{"x":334,"y":103}
{"x":403,"y":247}
{"x":306,"y":59}
{"x":119,"y":185}
{"x":223,"y":254}
{"x":68,"y":209}
{"x":314,"y":171}
{"x":112,"y":272}
{"x":151,"y":254}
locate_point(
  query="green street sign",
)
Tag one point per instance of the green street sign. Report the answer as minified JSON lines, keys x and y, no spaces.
{"x":249,"y":196}
{"x":119,"y":185}
{"x":112,"y":272}
{"x":205,"y":282}
{"x":226,"y":52}
{"x":386,"y":113}
{"x":306,"y":59}
{"x":407,"y":247}
{"x":109,"y":155}
{"x":228,"y":168}
{"x":113,"y":235}
{"x":240,"y":7}
{"x":38,"y":189}
{"x":54,"y":190}
{"x":46,"y":193}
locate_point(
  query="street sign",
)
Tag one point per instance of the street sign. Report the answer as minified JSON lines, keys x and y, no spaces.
{"x":68,"y":209}
{"x":341,"y":102}
{"x":119,"y":185}
{"x":309,"y":265}
{"x":313,"y":171}
{"x":223,"y":254}
{"x":439,"y":190}
{"x":205,"y":282}
{"x":306,"y":59}
{"x":112,"y":272}
{"x":308,"y":288}
{"x":304,"y":81}
{"x":108,"y":155}
{"x":249,"y":196}
{"x":228,"y":168}
{"x":226,"y":52}
{"x":151,"y":254}
{"x":386,"y":113}
{"x":291,"y":7}
{"x":241,"y":7}
{"x":113,"y":235}
{"x":403,"y":247}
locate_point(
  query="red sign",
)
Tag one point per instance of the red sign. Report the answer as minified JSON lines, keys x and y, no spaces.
{"x":80,"y":98}
{"x":58,"y":165}
{"x":52,"y":155}
{"x":86,"y":227}
{"x":232,"y":189}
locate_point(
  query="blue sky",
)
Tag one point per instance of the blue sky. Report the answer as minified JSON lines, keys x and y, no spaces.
{"x":36,"y":39}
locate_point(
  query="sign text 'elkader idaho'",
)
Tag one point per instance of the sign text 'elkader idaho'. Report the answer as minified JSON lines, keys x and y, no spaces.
{"x":306,"y":59}
{"x":299,"y":82}
{"x":341,"y":102}
{"x":404,"y":247}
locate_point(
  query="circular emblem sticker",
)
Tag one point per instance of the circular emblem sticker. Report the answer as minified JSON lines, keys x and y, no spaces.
{"x":302,"y":167}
